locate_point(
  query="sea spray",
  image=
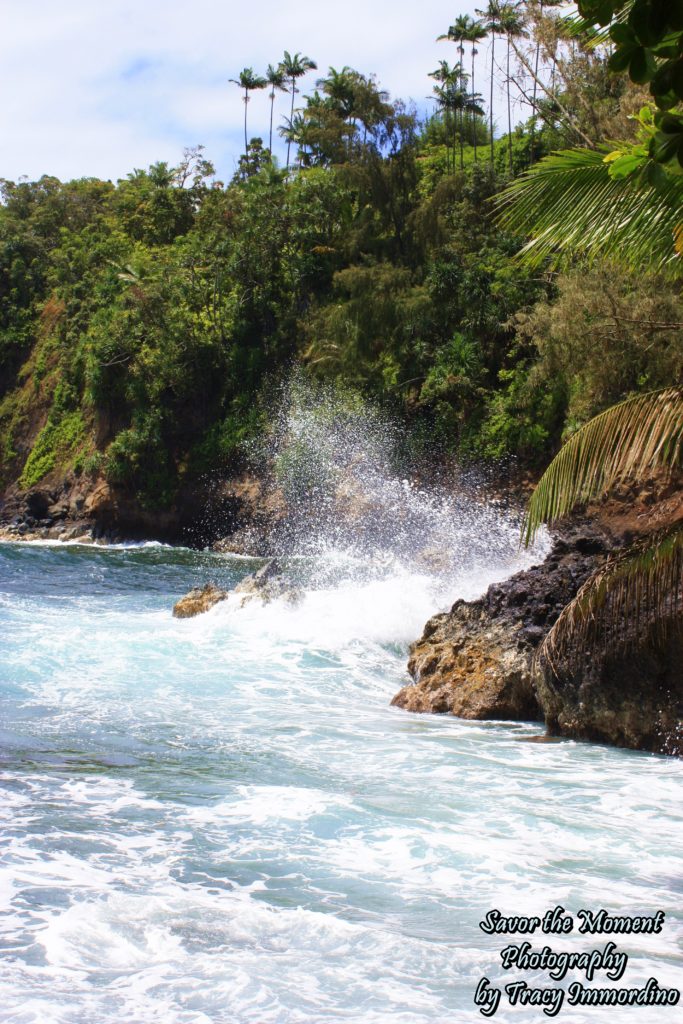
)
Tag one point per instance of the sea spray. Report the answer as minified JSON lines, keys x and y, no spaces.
{"x":352,"y":494}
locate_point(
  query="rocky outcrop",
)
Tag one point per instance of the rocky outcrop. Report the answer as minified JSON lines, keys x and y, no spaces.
{"x":476,"y":660}
{"x":241,"y":509}
{"x":198,"y":600}
{"x":470,"y":665}
{"x":628,"y":699}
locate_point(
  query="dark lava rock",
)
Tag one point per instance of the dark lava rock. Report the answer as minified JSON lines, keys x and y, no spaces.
{"x":476,"y":660}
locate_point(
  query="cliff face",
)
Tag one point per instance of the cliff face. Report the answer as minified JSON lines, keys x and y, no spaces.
{"x":477,"y":661}
{"x":79,"y":506}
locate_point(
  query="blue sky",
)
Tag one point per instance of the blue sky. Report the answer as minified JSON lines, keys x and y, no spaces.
{"x":98,"y":88}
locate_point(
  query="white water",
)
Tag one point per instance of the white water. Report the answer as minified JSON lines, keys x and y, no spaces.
{"x":223,"y":820}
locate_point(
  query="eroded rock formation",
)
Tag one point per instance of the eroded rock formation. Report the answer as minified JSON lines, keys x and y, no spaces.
{"x":476,"y":660}
{"x":198,"y":600}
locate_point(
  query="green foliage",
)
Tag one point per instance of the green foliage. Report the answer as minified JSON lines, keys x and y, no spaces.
{"x":648,"y":42}
{"x":606,"y":334}
{"x":57,"y":446}
{"x":635,"y":438}
{"x":161,"y":308}
{"x":571,"y":204}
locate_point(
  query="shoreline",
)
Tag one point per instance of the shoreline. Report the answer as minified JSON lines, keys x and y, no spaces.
{"x":476,"y":661}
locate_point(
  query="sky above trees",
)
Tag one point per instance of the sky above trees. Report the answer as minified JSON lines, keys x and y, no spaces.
{"x":94,"y":89}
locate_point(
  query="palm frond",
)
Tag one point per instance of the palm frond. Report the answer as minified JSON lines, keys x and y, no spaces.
{"x":634,"y":594}
{"x":571,"y":205}
{"x":587,"y":31}
{"x":632,"y":439}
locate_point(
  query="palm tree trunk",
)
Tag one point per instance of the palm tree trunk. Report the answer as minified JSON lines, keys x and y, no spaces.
{"x":474,"y":122}
{"x":455,"y":137}
{"x":493,"y":53}
{"x":509,"y":109}
{"x":462,"y":140}
{"x":246,"y":100}
{"x":291,"y":117}
{"x":533,"y":98}
{"x":270,"y":137}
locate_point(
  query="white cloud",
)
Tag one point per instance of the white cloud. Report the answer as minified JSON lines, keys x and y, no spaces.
{"x":99,"y":88}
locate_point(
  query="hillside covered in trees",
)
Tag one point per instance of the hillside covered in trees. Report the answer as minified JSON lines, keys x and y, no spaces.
{"x":145,"y":323}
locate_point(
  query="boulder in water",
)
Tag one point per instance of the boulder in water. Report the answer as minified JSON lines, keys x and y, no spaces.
{"x":198,"y":600}
{"x":268,"y":585}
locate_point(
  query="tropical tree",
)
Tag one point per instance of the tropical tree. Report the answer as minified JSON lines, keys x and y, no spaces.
{"x":449,"y":79}
{"x":249,"y":82}
{"x":338,"y":86}
{"x":276,"y":79}
{"x":640,"y":589}
{"x":512,"y":26}
{"x":475,"y":34}
{"x":493,"y":26}
{"x":628,"y":205}
{"x":595,"y":204}
{"x":295,"y":66}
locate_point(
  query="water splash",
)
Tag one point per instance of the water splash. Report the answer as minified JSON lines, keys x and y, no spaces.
{"x":354,"y":502}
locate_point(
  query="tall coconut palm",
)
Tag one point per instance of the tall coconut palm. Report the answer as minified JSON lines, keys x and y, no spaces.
{"x":512,"y":25}
{"x":295,"y":66}
{"x":475,"y":34}
{"x":492,"y":24}
{"x":249,"y":82}
{"x":275,"y":77}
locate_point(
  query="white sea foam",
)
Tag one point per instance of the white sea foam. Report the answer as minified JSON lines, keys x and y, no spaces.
{"x":222,"y":821}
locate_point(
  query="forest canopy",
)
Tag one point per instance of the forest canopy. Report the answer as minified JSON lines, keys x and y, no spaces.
{"x":143,"y":322}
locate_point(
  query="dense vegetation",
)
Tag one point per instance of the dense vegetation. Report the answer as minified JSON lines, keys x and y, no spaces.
{"x":143,"y":323}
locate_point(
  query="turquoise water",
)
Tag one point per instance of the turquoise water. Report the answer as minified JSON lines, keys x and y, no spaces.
{"x":222,"y":819}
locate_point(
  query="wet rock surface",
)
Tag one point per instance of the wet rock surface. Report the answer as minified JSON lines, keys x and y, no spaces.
{"x":198,"y":600}
{"x":475,"y":661}
{"x":632,"y":698}
{"x":268,"y":584}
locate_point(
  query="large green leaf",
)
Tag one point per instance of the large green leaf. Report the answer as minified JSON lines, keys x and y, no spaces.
{"x":635,"y":594}
{"x":633,"y":439}
{"x":570,"y":204}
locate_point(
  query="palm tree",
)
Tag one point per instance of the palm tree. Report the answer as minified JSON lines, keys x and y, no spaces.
{"x":449,"y":77}
{"x":275,"y":76}
{"x":541,"y":5}
{"x":338,"y":86}
{"x":475,"y":34}
{"x":295,"y":130}
{"x":295,"y":66}
{"x":248,"y":81}
{"x":492,"y":24}
{"x":457,"y":33}
{"x":573,"y":203}
{"x":512,"y":26}
{"x":641,"y":587}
